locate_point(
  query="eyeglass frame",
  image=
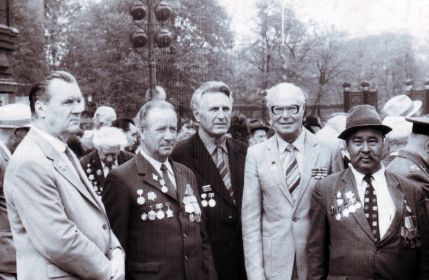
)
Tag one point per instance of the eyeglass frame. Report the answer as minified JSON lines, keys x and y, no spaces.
{"x":298,"y":107}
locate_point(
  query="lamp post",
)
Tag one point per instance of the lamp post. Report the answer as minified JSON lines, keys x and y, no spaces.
{"x":155,"y":11}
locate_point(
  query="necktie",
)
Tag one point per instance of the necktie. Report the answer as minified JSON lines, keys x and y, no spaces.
{"x":371,"y":208}
{"x":166,"y":178}
{"x":293,"y":176}
{"x":224,"y":172}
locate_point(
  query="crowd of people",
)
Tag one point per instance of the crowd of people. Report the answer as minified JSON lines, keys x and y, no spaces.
{"x":220,"y":197}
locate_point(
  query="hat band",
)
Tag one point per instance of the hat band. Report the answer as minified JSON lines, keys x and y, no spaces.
{"x":420,"y":129}
{"x":16,"y":122}
{"x":409,"y":110}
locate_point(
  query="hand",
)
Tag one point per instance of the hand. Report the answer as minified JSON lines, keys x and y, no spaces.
{"x":118,"y":265}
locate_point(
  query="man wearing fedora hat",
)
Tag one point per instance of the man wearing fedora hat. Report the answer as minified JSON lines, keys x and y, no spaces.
{"x":402,"y":106}
{"x":366,"y":222}
{"x":258,"y":132}
{"x":15,"y":120}
{"x":412,"y":161}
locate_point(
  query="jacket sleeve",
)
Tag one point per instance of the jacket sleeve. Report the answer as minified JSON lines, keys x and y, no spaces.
{"x":318,"y":240}
{"x":423,"y":224}
{"x":251,"y":215}
{"x":117,"y":203}
{"x":35,"y":196}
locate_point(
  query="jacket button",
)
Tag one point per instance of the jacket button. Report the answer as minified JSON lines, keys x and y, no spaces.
{"x":185,"y":235}
{"x":230,"y":217}
{"x":186,"y":258}
{"x":294,"y":219}
{"x":104,"y":226}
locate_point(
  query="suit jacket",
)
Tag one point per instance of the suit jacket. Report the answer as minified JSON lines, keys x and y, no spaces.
{"x":275,"y":227}
{"x":344,"y":247}
{"x":7,"y":249}
{"x":91,"y":163}
{"x":59,"y":225}
{"x":164,"y":248}
{"x":411,"y":166}
{"x":223,"y":220}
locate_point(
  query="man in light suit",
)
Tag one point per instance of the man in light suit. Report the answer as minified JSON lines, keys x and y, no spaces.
{"x":152,"y":203}
{"x":15,"y":120}
{"x":221,"y":192}
{"x":366,"y":222}
{"x":59,"y":225}
{"x":279,"y":176}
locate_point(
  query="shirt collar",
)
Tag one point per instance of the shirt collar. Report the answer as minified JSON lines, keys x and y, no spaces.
{"x":5,"y":149}
{"x":377,"y":176}
{"x":157,"y":164}
{"x":58,"y":145}
{"x":210,"y":145}
{"x":298,"y":143}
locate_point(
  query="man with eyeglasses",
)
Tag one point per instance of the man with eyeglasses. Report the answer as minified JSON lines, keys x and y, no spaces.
{"x":280,"y":174}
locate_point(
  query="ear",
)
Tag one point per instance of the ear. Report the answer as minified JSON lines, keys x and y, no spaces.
{"x":40,"y":108}
{"x":427,"y":146}
{"x":196,"y":115}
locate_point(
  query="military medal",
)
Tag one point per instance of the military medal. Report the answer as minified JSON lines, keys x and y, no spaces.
{"x":192,"y":217}
{"x":154,"y":177}
{"x":206,"y":188}
{"x":140,"y":199}
{"x":189,"y":208}
{"x":88,"y":171}
{"x":151,"y":196}
{"x":204,"y":202}
{"x":151,"y":215}
{"x":98,"y":172}
{"x":212,"y":202}
{"x":164,"y":189}
{"x":144,"y":216}
{"x":169,"y":212}
{"x":160,"y":214}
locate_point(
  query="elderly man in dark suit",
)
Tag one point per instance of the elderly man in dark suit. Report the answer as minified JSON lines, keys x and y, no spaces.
{"x":366,"y":222}
{"x":153,"y":206}
{"x":15,"y":120}
{"x":218,"y":163}
{"x":109,"y":143}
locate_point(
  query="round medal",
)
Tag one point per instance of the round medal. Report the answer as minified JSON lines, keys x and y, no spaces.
{"x":144,"y":216}
{"x":160,"y":214}
{"x":151,"y":215}
{"x":204,"y":203}
{"x":338,"y":217}
{"x":140,"y":200}
{"x":192,"y":217}
{"x":212,"y":202}
{"x":164,"y":189}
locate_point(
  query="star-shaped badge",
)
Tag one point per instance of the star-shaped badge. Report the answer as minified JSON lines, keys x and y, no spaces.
{"x":151,"y":196}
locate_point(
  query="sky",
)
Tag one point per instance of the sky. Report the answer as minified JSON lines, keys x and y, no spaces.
{"x":357,"y":17}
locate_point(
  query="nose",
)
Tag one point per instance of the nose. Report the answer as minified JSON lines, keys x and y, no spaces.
{"x":285,"y":114}
{"x":170,"y":135}
{"x":220,"y":114}
{"x":365,"y":147}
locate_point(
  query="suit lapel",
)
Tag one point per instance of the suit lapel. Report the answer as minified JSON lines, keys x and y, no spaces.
{"x":206,"y":168}
{"x":180,"y":182}
{"x":235,"y":158}
{"x":311,"y":154}
{"x":398,"y":198}
{"x":63,"y":168}
{"x":348,"y":183}
{"x":148,"y":172}
{"x":277,"y":173}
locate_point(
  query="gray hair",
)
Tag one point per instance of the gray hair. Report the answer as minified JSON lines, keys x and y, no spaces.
{"x":144,"y":111}
{"x":285,"y":88}
{"x":210,"y":87}
{"x":39,"y":90}
{"x":109,"y":137}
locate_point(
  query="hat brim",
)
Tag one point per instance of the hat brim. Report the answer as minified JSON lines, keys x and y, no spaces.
{"x":417,"y":104}
{"x":15,"y":126}
{"x":346,"y":133}
{"x":266,"y":128}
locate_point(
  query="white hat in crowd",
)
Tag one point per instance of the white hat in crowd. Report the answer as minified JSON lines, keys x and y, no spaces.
{"x":401,"y":105}
{"x":15,"y":116}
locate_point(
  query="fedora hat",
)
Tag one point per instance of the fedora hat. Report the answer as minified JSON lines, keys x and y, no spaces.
{"x":401,"y":105}
{"x":361,"y":116}
{"x":15,"y":116}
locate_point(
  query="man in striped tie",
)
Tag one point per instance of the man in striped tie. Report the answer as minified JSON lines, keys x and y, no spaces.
{"x":218,"y":164}
{"x":279,"y":176}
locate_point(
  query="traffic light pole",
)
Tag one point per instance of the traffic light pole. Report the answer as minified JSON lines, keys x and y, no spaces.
{"x":151,"y":46}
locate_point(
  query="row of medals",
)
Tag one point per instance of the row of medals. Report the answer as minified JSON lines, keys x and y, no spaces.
{"x":210,"y":202}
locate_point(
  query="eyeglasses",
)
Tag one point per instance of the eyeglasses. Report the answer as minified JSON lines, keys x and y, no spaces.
{"x":290,"y":109}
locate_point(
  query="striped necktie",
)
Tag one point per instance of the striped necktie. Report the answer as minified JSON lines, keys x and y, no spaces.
{"x":224,"y":172}
{"x":293,"y":175}
{"x":370,"y":207}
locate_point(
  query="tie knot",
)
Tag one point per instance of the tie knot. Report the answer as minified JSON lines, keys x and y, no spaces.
{"x":290,"y":148}
{"x":163,"y":168}
{"x":368,"y":179}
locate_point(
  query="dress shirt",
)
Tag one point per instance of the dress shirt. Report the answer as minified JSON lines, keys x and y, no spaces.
{"x":157,"y":165}
{"x":386,"y":208}
{"x":299,"y":151}
{"x":211,"y":148}
{"x":58,"y":146}
{"x":106,"y":169}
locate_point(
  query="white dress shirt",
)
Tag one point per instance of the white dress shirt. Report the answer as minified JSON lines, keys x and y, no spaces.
{"x":386,"y":208}
{"x":106,"y":169}
{"x":299,"y":151}
{"x":157,"y":165}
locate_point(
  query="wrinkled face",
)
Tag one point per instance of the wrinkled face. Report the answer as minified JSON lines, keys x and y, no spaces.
{"x":108,"y":155}
{"x":61,"y":114}
{"x":258,"y":136}
{"x":159,"y":135}
{"x":287,"y":113}
{"x":365,"y":147}
{"x":214,"y":113}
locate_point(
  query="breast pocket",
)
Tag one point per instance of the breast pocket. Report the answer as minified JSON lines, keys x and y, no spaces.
{"x":140,"y":270}
{"x":54,"y":272}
